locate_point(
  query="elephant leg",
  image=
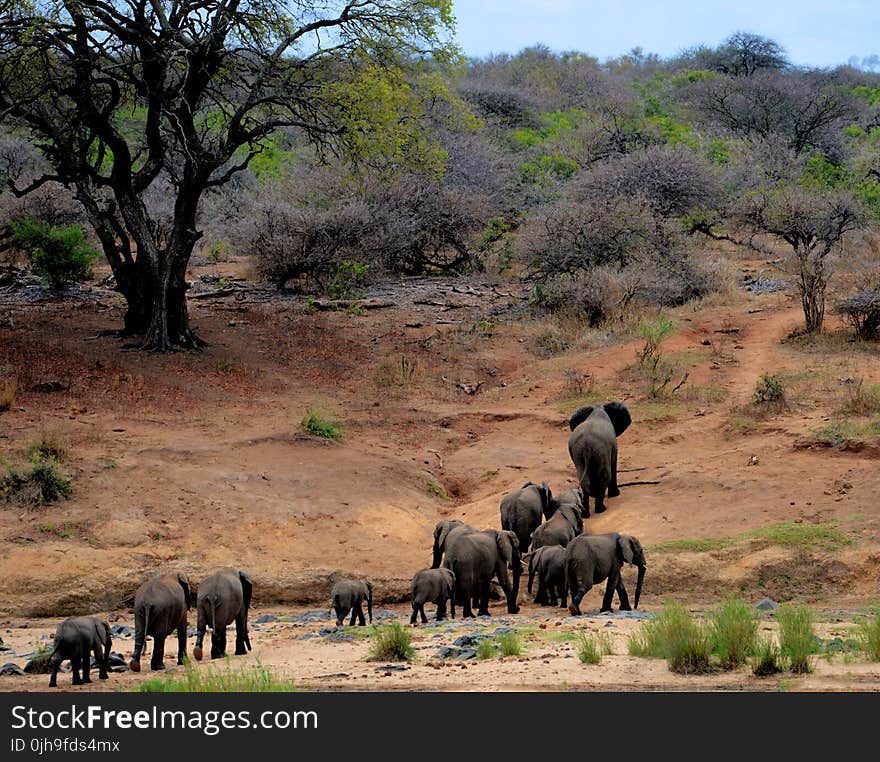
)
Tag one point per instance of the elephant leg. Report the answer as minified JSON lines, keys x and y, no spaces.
{"x":563,"y":594}
{"x":441,"y":609}
{"x":218,"y":643}
{"x":483,"y":609}
{"x":541,"y":595}
{"x":360,"y":614}
{"x":102,"y":662}
{"x":353,"y":617}
{"x":157,"y":661}
{"x":552,"y":597}
{"x":621,"y":594}
{"x":415,"y":613}
{"x":576,"y":598}
{"x":201,"y":626}
{"x":53,"y":677}
{"x":181,"y":642}
{"x":613,"y":491}
{"x":86,"y":665}
{"x":608,"y":598}
{"x":75,"y":662}
{"x":466,"y":610}
{"x":240,"y":633}
{"x":423,"y":615}
{"x":340,"y":615}
{"x":584,"y":483}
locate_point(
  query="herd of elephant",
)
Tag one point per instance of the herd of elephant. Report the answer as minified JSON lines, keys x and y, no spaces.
{"x":536,"y":527}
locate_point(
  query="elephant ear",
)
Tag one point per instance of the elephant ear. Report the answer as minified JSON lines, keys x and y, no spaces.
{"x":579,"y":416}
{"x":184,"y":583}
{"x":624,"y":542}
{"x":441,"y":531}
{"x":546,"y":496}
{"x":505,"y":548}
{"x":247,"y":589}
{"x":619,"y":415}
{"x":102,"y":630}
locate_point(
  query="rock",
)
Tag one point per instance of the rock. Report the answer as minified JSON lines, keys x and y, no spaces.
{"x":47,"y":387}
{"x":265,"y":618}
{"x":467,"y":653}
{"x":121,"y":631}
{"x":307,"y":617}
{"x":11,"y":669}
{"x":766,"y":604}
{"x":389,"y":668}
{"x":470,"y":640}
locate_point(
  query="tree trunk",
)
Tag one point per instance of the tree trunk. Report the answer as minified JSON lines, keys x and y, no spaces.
{"x":813,"y":280}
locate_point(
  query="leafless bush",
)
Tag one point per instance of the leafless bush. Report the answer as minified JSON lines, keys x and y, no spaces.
{"x":862,"y":312}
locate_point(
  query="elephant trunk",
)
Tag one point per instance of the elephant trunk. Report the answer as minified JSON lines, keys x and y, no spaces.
{"x":438,"y":554}
{"x":639,"y":581}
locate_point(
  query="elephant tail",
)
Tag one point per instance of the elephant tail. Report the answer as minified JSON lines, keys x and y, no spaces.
{"x":639,"y":581}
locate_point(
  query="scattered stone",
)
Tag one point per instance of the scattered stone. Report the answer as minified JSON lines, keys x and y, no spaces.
{"x":471,"y":640}
{"x":265,"y":619}
{"x":389,"y":668}
{"x":307,"y":617}
{"x":766,"y":604}
{"x":12,"y":670}
{"x":753,"y":460}
{"x":121,"y":631}
{"x":48,"y":387}
{"x":467,"y":653}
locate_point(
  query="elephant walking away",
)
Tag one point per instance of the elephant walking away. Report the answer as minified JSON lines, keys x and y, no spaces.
{"x":349,"y":595}
{"x":445,"y":533}
{"x":435,"y":585}
{"x":522,"y":511}
{"x":563,"y":527}
{"x":223,"y":598}
{"x":591,"y":558}
{"x":548,"y":563}
{"x":160,"y":607}
{"x":475,"y":559}
{"x":593,"y":450}
{"x":76,"y":639}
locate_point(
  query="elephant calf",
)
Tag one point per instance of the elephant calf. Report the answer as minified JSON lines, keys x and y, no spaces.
{"x":223,"y":598}
{"x":563,"y":527}
{"x":522,"y":511}
{"x":436,"y":585}
{"x":76,"y":639}
{"x":349,"y":595}
{"x":160,"y":607}
{"x":548,"y":563}
{"x":591,"y":558}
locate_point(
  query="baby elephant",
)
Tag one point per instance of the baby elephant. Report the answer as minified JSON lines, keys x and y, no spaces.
{"x":437,"y":585}
{"x":223,"y":598}
{"x":76,"y":639}
{"x":548,"y":563}
{"x":349,"y":595}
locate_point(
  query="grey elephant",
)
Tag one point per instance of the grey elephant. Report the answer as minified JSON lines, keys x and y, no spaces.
{"x":76,"y":638}
{"x":563,"y":527}
{"x":445,"y":533}
{"x":224,"y":597}
{"x":593,"y":449}
{"x":436,"y":585}
{"x":548,"y":564}
{"x":160,"y":607}
{"x":522,"y":511}
{"x":475,"y":559}
{"x":591,"y":558}
{"x":349,"y":595}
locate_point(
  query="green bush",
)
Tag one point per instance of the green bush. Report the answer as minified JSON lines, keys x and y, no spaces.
{"x":733,"y":631}
{"x":797,"y":637}
{"x":765,"y":661}
{"x":673,"y":635}
{"x":315,"y":423}
{"x":41,"y":662}
{"x":591,"y":647}
{"x":61,"y":254}
{"x":486,"y":649}
{"x":43,"y":484}
{"x":769,"y":391}
{"x":210,"y":679}
{"x":869,"y":637}
{"x":510,"y":644}
{"x":392,"y":643}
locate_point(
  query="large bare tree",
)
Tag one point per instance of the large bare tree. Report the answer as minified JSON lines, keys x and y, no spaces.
{"x":128,"y":98}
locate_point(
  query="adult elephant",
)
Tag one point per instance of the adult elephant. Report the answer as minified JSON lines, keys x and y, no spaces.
{"x":593,"y":449}
{"x":523,"y":509}
{"x":563,"y":527}
{"x":591,"y":558}
{"x":224,"y":597}
{"x":475,"y":559}
{"x":548,"y":563}
{"x":445,"y":533}
{"x":76,"y":638}
{"x":160,"y":607}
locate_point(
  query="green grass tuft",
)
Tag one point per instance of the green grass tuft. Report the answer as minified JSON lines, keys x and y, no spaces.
{"x":733,"y":631}
{"x":391,"y":643}
{"x":315,"y":423}
{"x":437,"y":490}
{"x":824,"y":536}
{"x":869,"y":637}
{"x":41,"y":662}
{"x":486,"y":649}
{"x":797,"y":637}
{"x":591,"y":647}
{"x":510,"y":644}
{"x":675,"y":636}
{"x":210,"y":679}
{"x":765,"y":661}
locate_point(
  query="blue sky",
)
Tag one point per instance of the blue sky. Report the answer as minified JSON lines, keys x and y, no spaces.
{"x":814,"y":32}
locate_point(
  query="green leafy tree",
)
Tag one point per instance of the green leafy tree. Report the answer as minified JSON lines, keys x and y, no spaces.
{"x":60,"y":253}
{"x":129,"y":101}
